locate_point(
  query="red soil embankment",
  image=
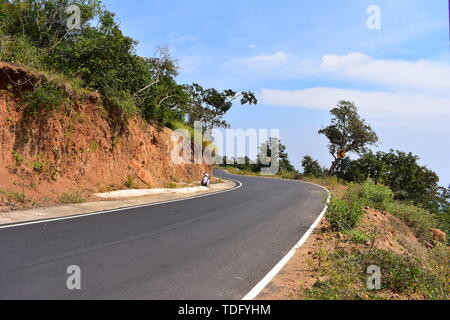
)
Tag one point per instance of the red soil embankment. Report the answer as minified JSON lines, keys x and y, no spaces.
{"x":79,"y":149}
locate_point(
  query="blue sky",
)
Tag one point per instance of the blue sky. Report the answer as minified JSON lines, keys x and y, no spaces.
{"x":301,"y":57}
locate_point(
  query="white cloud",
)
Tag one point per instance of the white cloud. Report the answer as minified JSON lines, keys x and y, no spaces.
{"x":278,"y":59}
{"x":394,"y":89}
{"x":279,"y":65}
{"x":424,"y":75}
{"x":375,"y":104}
{"x":393,"y":74}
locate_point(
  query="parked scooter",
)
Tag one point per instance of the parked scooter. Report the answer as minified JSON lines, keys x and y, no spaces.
{"x":206,"y":180}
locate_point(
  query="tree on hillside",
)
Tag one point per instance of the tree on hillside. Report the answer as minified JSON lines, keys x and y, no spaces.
{"x":162,"y":99}
{"x":368,"y":166}
{"x":312,"y":168}
{"x":209,"y":105}
{"x":347,"y":132}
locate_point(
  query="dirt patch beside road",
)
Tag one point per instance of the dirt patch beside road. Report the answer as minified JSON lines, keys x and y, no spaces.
{"x":303,"y":271}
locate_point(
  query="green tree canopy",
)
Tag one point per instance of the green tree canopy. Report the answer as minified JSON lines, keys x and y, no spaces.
{"x":347,"y":132}
{"x":312,"y":168}
{"x":209,"y":105}
{"x":402,"y":173}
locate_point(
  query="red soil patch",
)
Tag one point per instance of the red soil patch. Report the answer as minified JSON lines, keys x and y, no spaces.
{"x":77,"y":150}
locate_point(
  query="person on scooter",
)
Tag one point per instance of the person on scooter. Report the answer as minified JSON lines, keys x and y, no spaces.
{"x":206,"y":181}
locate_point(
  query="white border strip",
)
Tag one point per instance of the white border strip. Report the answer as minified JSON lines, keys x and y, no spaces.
{"x":239,"y":185}
{"x":280,"y":265}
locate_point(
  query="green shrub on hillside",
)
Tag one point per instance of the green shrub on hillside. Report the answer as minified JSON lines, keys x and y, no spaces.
{"x":404,"y":274}
{"x":400,"y":171}
{"x":18,"y":157}
{"x":377,"y":196}
{"x":69,"y":198}
{"x":44,"y":97}
{"x":400,"y":274}
{"x":38,"y":166}
{"x":20,"y":50}
{"x":360,"y":236}
{"x":130,"y":183}
{"x":443,"y":223}
{"x":343,"y":215}
{"x":421,"y":221}
{"x":288,"y":175}
{"x":17,"y":197}
{"x":373,"y":195}
{"x":124,"y":102}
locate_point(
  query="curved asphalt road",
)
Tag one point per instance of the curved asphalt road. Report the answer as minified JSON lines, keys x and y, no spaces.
{"x":214,"y":247}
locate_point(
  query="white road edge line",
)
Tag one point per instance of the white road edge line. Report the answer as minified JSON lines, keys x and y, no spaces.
{"x":280,"y":265}
{"x":239,"y":185}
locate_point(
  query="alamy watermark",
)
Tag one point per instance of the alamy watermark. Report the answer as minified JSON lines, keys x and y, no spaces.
{"x":374,"y":19}
{"x":74,"y":280}
{"x":74,"y":19}
{"x":204,"y":147}
{"x":374,"y":281}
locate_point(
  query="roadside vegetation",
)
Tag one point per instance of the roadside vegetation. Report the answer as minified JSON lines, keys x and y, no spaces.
{"x":403,"y":277}
{"x":12,"y":197}
{"x":386,"y":211}
{"x":380,"y":185}
{"x":265,"y":159}
{"x":418,"y":271}
{"x":71,"y":197}
{"x":392,"y":181}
